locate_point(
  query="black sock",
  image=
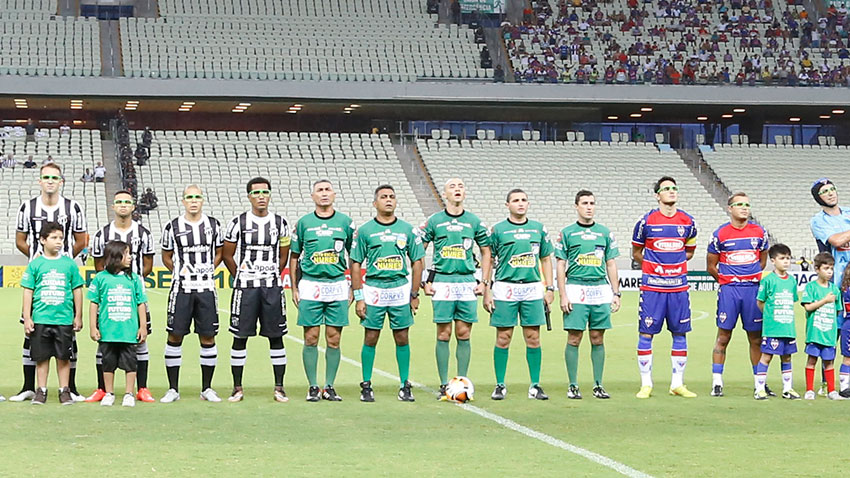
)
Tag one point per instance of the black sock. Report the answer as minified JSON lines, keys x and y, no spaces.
{"x":278,"y":357}
{"x":142,"y":373}
{"x":72,"y":377}
{"x":29,"y":370}
{"x":173,"y":359}
{"x":209,"y":354}
{"x":238,"y":354}
{"x":100,"y":383}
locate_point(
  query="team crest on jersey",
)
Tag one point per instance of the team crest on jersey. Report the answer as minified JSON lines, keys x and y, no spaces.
{"x":339,"y":244}
{"x":535,"y":248}
{"x":134,"y":242}
{"x":754,"y":241}
{"x":467,"y":243}
{"x":208,"y":234}
{"x":401,"y":241}
{"x":681,"y":230}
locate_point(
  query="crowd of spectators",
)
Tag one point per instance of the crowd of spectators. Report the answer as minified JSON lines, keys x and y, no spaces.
{"x":745,"y":42}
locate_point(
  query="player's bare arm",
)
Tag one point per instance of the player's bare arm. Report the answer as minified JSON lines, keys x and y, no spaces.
{"x":416,"y":277}
{"x":168,"y":260}
{"x":293,"y":277}
{"x":711,"y":261}
{"x":227,"y":253}
{"x":549,"y":296}
{"x":357,"y":285}
{"x":614,"y":279}
{"x":561,"y":277}
{"x":81,"y":241}
{"x":637,"y":254}
{"x":486,"y":261}
{"x":284,"y":258}
{"x":21,"y":243}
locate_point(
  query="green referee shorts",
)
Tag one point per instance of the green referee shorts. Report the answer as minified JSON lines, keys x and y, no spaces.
{"x":400,"y":317}
{"x":446,"y":311}
{"x":527,"y":313}
{"x":312,"y":313}
{"x":597,"y":316}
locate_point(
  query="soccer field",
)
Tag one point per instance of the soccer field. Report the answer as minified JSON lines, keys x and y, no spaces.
{"x":662,"y":436}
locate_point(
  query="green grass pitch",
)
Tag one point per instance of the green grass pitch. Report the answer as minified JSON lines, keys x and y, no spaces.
{"x":663,"y":436}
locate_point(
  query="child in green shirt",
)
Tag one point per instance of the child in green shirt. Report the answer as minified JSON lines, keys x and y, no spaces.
{"x":822,"y":301}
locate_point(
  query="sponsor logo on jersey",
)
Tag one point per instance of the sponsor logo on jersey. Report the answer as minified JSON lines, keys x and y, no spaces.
{"x":454,"y":228}
{"x":590,"y":259}
{"x":389,"y":263}
{"x":741,"y":257}
{"x":324,"y":290}
{"x":324,"y":257}
{"x":387,"y":295}
{"x":522,"y":236}
{"x":193,"y":249}
{"x":669,"y":244}
{"x":455,"y":251}
{"x":525,"y":260}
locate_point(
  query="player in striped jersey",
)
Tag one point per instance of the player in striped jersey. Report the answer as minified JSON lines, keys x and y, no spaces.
{"x":736,"y":258}
{"x":321,"y":244}
{"x":663,"y":242}
{"x":262,"y":240}
{"x":191,"y":250}
{"x":49,"y":206}
{"x":126,"y":230}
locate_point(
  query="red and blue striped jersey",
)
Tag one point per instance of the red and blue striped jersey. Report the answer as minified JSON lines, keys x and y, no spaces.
{"x":739,"y":251}
{"x":665,"y":240}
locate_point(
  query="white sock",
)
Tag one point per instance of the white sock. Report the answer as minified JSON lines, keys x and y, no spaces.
{"x":760,"y":380}
{"x":679,"y":362}
{"x":787,"y":378}
{"x":844,"y":381}
{"x":645,"y":366}
{"x":716,"y":379}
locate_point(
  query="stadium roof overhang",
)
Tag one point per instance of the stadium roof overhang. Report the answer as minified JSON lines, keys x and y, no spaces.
{"x":427,"y":100}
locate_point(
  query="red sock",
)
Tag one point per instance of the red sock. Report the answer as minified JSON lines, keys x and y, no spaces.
{"x":830,"y":379}
{"x":810,"y":379}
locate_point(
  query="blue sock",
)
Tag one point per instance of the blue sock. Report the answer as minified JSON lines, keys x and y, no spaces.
{"x":680,"y":342}
{"x":844,"y":369}
{"x":717,"y":368}
{"x":761,"y":369}
{"x":644,"y":343}
{"x":786,"y":366}
{"x":755,"y":369}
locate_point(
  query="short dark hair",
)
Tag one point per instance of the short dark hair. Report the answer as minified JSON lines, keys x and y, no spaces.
{"x":661,"y":180}
{"x":778,"y":250}
{"x":257,"y":180}
{"x":49,"y":228}
{"x":583,"y":193}
{"x":823,"y":258}
{"x":113,"y":255}
{"x":320,"y":181}
{"x":122,"y":191}
{"x":50,"y":165}
{"x":736,"y":195}
{"x":383,"y":186}
{"x":514,"y":191}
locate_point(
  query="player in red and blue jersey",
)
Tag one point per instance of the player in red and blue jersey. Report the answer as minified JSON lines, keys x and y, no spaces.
{"x":844,"y":336}
{"x":736,"y":258}
{"x":663,"y":242}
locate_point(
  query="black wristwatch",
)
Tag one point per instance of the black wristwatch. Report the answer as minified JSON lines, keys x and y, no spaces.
{"x":618,"y":294}
{"x":550,"y":288}
{"x":414,"y":295}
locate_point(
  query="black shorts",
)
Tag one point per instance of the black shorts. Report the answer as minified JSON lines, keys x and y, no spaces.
{"x":118,"y":355}
{"x":183,"y":307}
{"x":51,"y":341}
{"x":267,"y":304}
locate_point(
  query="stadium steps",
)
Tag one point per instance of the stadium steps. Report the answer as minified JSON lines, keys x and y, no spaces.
{"x":498,"y":52}
{"x":426,"y":192}
{"x":68,"y":8}
{"x":110,"y":49}
{"x":113,"y":175}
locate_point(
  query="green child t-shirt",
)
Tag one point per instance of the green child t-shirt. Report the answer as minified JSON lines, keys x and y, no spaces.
{"x":53,"y":282}
{"x":118,"y":297}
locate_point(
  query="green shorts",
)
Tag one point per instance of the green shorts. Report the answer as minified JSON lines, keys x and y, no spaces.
{"x":312,"y":313}
{"x":597,"y":316}
{"x":447,"y":310}
{"x":400,"y":317}
{"x":529,"y":312}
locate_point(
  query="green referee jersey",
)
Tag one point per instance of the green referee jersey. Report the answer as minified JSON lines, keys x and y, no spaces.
{"x":384,"y":247}
{"x":453,"y":237}
{"x":324,"y":244}
{"x":586,"y":248}
{"x":518,"y":249}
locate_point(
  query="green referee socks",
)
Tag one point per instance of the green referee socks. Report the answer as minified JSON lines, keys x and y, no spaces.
{"x":310,"y":357}
{"x":597,"y":356}
{"x":463,"y":352}
{"x":331,"y":365}
{"x":442,"y":352}
{"x":500,"y":363}
{"x":571,"y":356}
{"x":533,"y":356}
{"x":402,"y":356}
{"x":367,"y":358}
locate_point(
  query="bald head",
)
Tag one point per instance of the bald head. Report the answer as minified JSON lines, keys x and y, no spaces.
{"x":454,"y":191}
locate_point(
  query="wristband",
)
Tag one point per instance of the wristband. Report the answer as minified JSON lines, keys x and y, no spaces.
{"x":431,"y":274}
{"x":358,"y":294}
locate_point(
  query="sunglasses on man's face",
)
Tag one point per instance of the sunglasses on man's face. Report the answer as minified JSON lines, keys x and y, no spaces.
{"x":49,"y":177}
{"x":260,"y":192}
{"x":740,"y":204}
{"x":668,"y":188}
{"x":828,"y":190}
{"x":189,"y":197}
{"x":121,"y":202}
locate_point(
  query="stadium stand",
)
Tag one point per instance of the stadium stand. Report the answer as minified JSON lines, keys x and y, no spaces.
{"x":36,"y":42}
{"x":679,"y":42}
{"x":221,"y":163}
{"x":74,"y":152}
{"x":621,"y":176}
{"x":385,"y":40}
{"x":784,"y":204}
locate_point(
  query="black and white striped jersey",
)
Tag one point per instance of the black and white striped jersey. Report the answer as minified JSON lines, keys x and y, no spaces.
{"x":33,"y":214}
{"x":138,"y":236}
{"x":258,"y":240}
{"x":194,"y":246}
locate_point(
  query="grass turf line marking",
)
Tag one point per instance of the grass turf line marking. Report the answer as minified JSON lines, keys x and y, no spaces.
{"x":620,"y":468}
